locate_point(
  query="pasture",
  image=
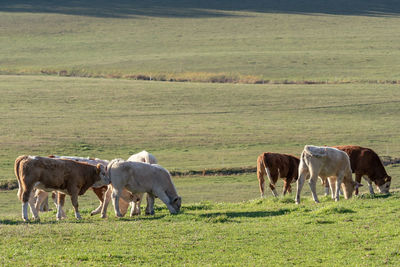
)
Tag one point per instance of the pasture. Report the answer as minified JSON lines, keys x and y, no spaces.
{"x":70,"y":84}
{"x":335,"y":41}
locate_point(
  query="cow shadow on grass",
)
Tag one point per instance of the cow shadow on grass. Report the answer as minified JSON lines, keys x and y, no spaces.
{"x":247,"y":214}
{"x":32,"y":222}
{"x":374,"y":196}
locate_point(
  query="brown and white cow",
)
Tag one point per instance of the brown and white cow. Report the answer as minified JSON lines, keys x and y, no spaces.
{"x":326,"y":163}
{"x":366,"y":163}
{"x":66,"y":176}
{"x":275,"y":166}
{"x":99,"y":191}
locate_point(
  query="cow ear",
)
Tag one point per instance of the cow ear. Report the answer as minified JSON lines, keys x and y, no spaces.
{"x":98,"y":168}
{"x":358,"y":185}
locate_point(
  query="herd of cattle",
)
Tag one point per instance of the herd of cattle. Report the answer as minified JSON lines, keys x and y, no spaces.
{"x":125,"y":182}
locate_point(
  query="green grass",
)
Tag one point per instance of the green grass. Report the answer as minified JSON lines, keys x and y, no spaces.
{"x":353,"y":47}
{"x":189,"y":125}
{"x":361,"y":231}
{"x":203,"y":41}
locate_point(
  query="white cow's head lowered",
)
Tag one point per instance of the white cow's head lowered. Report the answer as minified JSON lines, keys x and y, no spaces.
{"x":176,"y":203}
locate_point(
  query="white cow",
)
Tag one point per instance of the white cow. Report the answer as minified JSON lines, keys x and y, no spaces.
{"x":142,"y":156}
{"x":139,"y":177}
{"x":327,"y":163}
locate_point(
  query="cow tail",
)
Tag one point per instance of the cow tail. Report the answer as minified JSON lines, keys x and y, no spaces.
{"x":109,"y":166}
{"x":17,"y":167}
{"x":267,"y":170}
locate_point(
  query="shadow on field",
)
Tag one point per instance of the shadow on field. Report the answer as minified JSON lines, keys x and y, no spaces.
{"x":248,"y":214}
{"x":202,"y":9}
{"x":19,"y":222}
{"x":374,"y":196}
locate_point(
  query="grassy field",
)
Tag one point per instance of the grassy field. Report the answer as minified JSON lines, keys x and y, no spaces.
{"x":203,"y":40}
{"x":189,"y":125}
{"x":363,"y":231}
{"x":68,"y":86}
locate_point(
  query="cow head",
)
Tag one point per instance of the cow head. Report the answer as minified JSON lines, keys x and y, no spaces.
{"x":176,"y":203}
{"x":104,"y":178}
{"x":349,"y":186}
{"x":384,"y":188}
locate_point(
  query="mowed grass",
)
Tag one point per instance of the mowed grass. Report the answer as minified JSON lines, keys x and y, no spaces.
{"x":207,"y":40}
{"x":189,"y":125}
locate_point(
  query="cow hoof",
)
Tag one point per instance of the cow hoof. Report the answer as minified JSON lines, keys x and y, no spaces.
{"x":103,"y":216}
{"x":150,"y":213}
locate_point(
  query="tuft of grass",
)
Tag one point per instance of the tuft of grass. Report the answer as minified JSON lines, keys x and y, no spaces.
{"x":334,"y":210}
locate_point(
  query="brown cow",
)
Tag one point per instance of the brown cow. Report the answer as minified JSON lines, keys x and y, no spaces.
{"x":276,"y":166}
{"x":99,"y":191}
{"x":366,"y":163}
{"x":66,"y":176}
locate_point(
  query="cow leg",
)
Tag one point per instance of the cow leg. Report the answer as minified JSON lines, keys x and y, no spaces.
{"x":106,"y":201}
{"x":74,"y":201}
{"x":371,"y":188}
{"x":100,"y":192}
{"x":25,"y":196}
{"x":339,"y":180}
{"x":261,"y":182}
{"x":326,"y":184}
{"x":45,"y":204}
{"x":34,"y":211}
{"x":135,"y":210}
{"x":273,"y":189}
{"x":60,"y":204}
{"x":40,"y":197}
{"x":150,"y":204}
{"x":54,"y":197}
{"x":286,"y":186}
{"x":313,"y":182}
{"x":369,"y":182}
{"x":332,"y":185}
{"x":358,"y":180}
{"x":97,"y":210}
{"x":115,"y":197}
{"x":300,"y":183}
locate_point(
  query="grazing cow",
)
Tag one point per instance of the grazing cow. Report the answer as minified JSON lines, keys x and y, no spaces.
{"x":134,"y":199}
{"x":366,"y":163}
{"x":276,"y":166}
{"x":66,"y":176}
{"x":145,"y":157}
{"x":327,"y":163}
{"x":140,"y":177}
